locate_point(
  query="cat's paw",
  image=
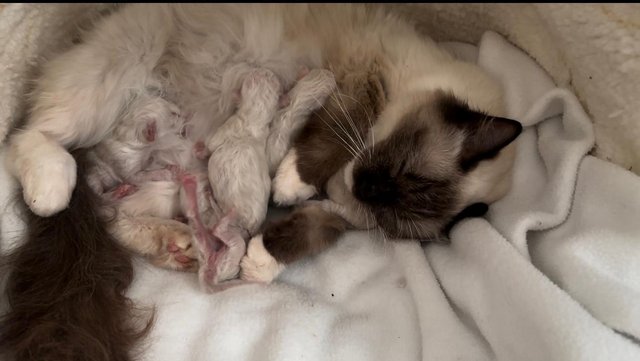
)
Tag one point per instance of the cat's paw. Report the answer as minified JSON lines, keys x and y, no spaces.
{"x":288,"y":188}
{"x":175,"y":249}
{"x":48,"y":182}
{"x":258,"y":265}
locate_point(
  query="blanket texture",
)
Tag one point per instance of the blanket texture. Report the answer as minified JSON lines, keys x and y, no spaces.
{"x":550,"y":274}
{"x":592,"y":49}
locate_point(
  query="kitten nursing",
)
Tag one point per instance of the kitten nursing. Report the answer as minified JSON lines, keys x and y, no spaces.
{"x":154,"y":172}
{"x":395,"y":132}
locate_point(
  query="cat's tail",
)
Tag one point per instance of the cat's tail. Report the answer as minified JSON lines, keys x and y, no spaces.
{"x":66,"y":288}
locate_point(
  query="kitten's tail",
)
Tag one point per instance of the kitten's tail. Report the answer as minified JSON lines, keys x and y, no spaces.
{"x":66,"y":288}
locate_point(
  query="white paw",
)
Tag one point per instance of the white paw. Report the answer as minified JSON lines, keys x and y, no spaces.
{"x":288,"y":188}
{"x":258,"y":265}
{"x":48,"y":182}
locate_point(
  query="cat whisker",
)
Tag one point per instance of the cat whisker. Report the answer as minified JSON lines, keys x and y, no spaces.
{"x":343,"y":142}
{"x":351,"y":148}
{"x":346,"y":132}
{"x":369,"y":116}
{"x":349,"y":119}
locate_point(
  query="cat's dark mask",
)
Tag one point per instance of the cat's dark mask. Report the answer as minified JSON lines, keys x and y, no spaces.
{"x":412,"y":181}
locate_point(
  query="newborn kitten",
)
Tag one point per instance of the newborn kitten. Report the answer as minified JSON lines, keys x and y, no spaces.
{"x":246,"y":148}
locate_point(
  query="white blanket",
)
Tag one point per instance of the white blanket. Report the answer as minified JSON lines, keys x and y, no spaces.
{"x":550,"y":273}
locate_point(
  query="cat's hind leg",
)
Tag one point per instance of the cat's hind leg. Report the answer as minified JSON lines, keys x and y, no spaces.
{"x":166,"y":243}
{"x":77,"y":100}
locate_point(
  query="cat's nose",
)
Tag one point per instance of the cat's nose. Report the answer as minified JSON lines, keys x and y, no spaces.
{"x":375,"y":188}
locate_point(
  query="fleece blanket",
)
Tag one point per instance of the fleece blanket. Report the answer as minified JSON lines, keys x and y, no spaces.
{"x":551,"y":273}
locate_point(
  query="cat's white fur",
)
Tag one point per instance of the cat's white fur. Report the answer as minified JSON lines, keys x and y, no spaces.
{"x":288,"y":188}
{"x":258,"y":265}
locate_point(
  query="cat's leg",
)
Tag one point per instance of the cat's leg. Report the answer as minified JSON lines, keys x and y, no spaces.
{"x":306,"y":96}
{"x":307,"y":231}
{"x":333,"y":135}
{"x":167,"y":243}
{"x":77,"y":101}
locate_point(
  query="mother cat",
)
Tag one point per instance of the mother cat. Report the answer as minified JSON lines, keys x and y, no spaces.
{"x":410,"y":138}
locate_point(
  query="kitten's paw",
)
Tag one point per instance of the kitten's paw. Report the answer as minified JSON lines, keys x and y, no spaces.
{"x":123,"y":190}
{"x":200,"y":150}
{"x":48,"y":183}
{"x":322,"y":79}
{"x":261,"y":85}
{"x":175,"y":248}
{"x":288,"y":188}
{"x":258,"y":265}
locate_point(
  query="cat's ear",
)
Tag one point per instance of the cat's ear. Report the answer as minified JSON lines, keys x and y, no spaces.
{"x":484,"y":135}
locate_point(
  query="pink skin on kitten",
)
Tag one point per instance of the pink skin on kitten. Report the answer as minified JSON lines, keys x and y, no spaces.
{"x":200,"y":150}
{"x":122,"y":191}
{"x":150,"y":132}
{"x":220,"y":248}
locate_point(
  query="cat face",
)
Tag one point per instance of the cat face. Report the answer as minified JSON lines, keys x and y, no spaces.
{"x":420,"y":177}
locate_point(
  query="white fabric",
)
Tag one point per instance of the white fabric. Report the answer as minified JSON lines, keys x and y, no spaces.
{"x":547,"y":276}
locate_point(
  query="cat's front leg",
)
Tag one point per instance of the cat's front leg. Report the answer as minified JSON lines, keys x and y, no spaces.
{"x":45,"y":169}
{"x":307,"y":231}
{"x":307,"y":95}
{"x":333,"y":135}
{"x":77,"y":100}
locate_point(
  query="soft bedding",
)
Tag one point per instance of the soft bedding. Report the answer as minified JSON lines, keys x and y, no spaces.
{"x":551,"y":273}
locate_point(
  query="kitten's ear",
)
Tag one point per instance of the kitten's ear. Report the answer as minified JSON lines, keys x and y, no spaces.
{"x":485,"y":135}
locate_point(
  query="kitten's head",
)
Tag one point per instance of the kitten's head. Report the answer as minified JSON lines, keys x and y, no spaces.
{"x":441,"y":157}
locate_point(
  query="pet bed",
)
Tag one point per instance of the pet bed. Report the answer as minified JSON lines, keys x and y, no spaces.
{"x":551,"y":273}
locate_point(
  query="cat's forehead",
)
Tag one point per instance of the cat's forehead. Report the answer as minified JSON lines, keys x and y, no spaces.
{"x":421,"y":137}
{"x":410,"y":113}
